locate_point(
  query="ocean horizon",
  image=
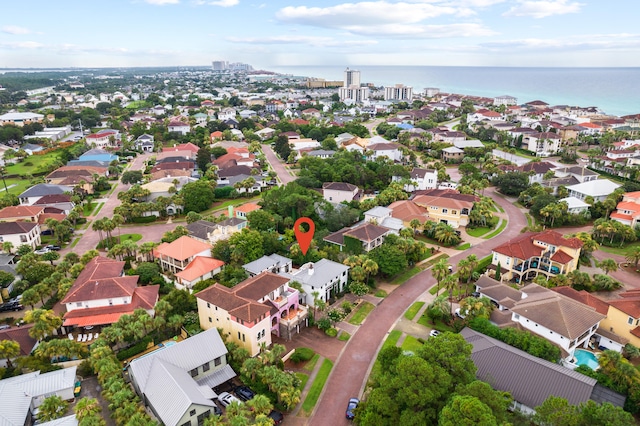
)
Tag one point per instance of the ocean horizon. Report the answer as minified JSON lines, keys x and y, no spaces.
{"x":613,"y":90}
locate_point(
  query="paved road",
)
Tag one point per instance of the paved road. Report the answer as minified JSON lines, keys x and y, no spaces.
{"x":278,"y":167}
{"x":348,"y":376}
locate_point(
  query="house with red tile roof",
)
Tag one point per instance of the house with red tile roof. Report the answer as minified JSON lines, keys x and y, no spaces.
{"x":215,"y":136}
{"x":243,"y":210}
{"x":21,"y":336}
{"x":535,"y":253}
{"x":183,"y":147}
{"x":623,"y":316}
{"x":21,"y":213}
{"x":628,"y":210}
{"x":251,"y":311}
{"x":446,"y":206}
{"x":177,"y":255}
{"x":102,"y":294}
{"x":19,"y":233}
{"x":201,"y":268}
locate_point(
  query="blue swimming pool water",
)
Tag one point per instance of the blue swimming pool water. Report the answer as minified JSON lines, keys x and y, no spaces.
{"x":586,"y":358}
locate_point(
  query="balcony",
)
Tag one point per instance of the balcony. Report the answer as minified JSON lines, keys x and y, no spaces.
{"x":294,"y":317}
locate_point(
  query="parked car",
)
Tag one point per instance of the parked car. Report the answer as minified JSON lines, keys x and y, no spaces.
{"x":353,"y":404}
{"x":47,"y":232}
{"x":434,"y":333}
{"x":276,"y":416}
{"x":475,"y":294}
{"x":226,"y":399}
{"x":4,"y":326}
{"x":11,"y":306}
{"x":43,"y":250}
{"x":244,"y":393}
{"x":459,"y":314}
{"x":52,"y":247}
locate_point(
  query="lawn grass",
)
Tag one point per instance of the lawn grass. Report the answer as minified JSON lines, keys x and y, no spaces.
{"x":411,"y":344}
{"x":88,"y":208}
{"x":95,"y":213}
{"x":381,"y":293}
{"x":413,"y":310}
{"x":304,"y":378}
{"x":73,"y":244}
{"x":503,"y":225}
{"x":15,"y":186}
{"x":316,"y":387}
{"x":463,"y":246}
{"x":344,"y":336}
{"x":439,"y":325}
{"x":361,"y":313}
{"x":33,"y":164}
{"x":428,"y":264}
{"x":310,"y":365}
{"x":622,"y":251}
{"x":479,"y":232}
{"x":223,"y":205}
{"x":404,"y":276}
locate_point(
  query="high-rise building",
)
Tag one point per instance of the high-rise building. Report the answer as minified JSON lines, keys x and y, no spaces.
{"x":399,"y":92}
{"x":355,"y":93}
{"x":219,"y":65}
{"x":351,"y":78}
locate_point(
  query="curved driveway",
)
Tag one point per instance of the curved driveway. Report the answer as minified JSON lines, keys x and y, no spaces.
{"x":350,"y":371}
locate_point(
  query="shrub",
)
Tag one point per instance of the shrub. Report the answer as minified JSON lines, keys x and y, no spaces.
{"x":331,"y":332}
{"x":302,"y":355}
{"x":324,"y":324}
{"x":336,"y":315}
{"x":144,"y":219}
{"x":135,"y":349}
{"x":346,"y":307}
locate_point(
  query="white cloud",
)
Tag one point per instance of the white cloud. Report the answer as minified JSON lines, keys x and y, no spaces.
{"x":585,"y":42}
{"x":310,"y":40}
{"x":221,"y":3}
{"x":14,"y":29}
{"x":543,"y":9}
{"x":162,"y":2}
{"x":423,"y":31}
{"x":363,"y":13}
{"x":22,"y":45}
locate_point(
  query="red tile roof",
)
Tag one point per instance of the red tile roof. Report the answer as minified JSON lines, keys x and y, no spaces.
{"x":20,"y":211}
{"x":584,"y":297}
{"x":199,"y":267}
{"x":630,"y":306}
{"x":555,"y":238}
{"x":20,"y":335}
{"x":561,"y":257}
{"x":248,"y":207}
{"x":182,"y":248}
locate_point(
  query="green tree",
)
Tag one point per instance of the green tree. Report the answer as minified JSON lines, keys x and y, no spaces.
{"x":53,"y":407}
{"x":203,"y":158}
{"x":131,"y":177}
{"x":197,"y":196}
{"x":440,"y":270}
{"x":9,"y":349}
{"x":511,"y":183}
{"x":390,"y":259}
{"x":51,"y":256}
{"x":466,"y":410}
{"x":608,"y":265}
{"x":44,"y":322}
{"x":86,"y":407}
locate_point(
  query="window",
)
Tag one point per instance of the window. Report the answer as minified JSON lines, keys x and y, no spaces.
{"x":238,"y":335}
{"x":203,"y":416}
{"x":192,"y":412}
{"x":444,"y":210}
{"x":208,"y":305}
{"x":79,"y":305}
{"x":630,"y":321}
{"x":454,"y":212}
{"x":194,"y":373}
{"x":217,"y":361}
{"x":210,"y":320}
{"x":186,"y":423}
{"x":516,"y":316}
{"x":23,"y":239}
{"x":206,"y":366}
{"x":110,"y":302}
{"x":243,"y":337}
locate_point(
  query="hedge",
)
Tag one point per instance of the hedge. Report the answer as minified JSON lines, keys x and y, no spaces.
{"x":135,"y":349}
{"x":302,"y":355}
{"x":144,"y":219}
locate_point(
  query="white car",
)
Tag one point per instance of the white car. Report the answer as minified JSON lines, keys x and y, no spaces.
{"x":434,"y":333}
{"x":43,"y":250}
{"x":226,"y":399}
{"x":458,"y":314}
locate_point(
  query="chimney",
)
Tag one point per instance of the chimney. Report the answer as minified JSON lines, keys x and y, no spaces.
{"x":310,"y":270}
{"x":230,"y":211}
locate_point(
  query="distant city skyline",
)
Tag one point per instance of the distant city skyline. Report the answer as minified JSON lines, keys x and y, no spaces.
{"x":139,"y":33}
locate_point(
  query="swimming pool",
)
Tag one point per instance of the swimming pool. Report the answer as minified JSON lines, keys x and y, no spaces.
{"x":586,"y":358}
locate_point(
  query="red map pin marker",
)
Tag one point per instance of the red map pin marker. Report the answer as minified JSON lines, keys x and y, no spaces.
{"x":304,"y":238}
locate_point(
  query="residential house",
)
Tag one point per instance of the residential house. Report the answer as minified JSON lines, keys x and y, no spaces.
{"x":210,"y":232}
{"x":338,"y":192}
{"x":96,"y":154}
{"x":446,"y":206}
{"x":273,"y":263}
{"x":604,"y":337}
{"x":102,"y":294}
{"x":22,"y":395}
{"x":227,"y":114}
{"x":565,"y":322}
{"x":193,"y":148}
{"x":176,"y":256}
{"x":20,"y":335}
{"x":247,"y":311}
{"x":385,"y":149}
{"x":383,"y":216}
{"x":20,"y":118}
{"x":145,"y":143}
{"x":312,"y":112}
{"x":36,"y":192}
{"x":178,"y":127}
{"x":321,"y":153}
{"x":598,"y":189}
{"x":451,"y":154}
{"x":505,"y":100}
{"x":623,"y":316}
{"x":484,"y":114}
{"x":216,"y":136}
{"x":200,"y":269}
{"x":322,"y":280}
{"x":362,"y":237}
{"x":575,"y":205}
{"x":544,"y":144}
{"x":628,"y":210}
{"x":534,"y":253}
{"x":21,"y":213}
{"x":104,"y":138}
{"x":176,"y":382}
{"x":266,"y":133}
{"x":243,"y":210}
{"x":421,"y":179}
{"x":581,"y":174}
{"x":531,"y":380}
{"x":19,"y":233}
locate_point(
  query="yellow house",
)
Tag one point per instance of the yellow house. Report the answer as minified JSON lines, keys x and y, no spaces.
{"x":623,"y":317}
{"x":531,"y":254}
{"x":452,"y":211}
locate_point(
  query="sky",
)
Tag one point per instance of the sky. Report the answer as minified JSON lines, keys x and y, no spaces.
{"x":264,"y":33}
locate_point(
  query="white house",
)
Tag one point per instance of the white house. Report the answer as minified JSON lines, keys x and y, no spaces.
{"x":505,"y":100}
{"x":389,"y":150}
{"x":273,"y":263}
{"x":227,"y":114}
{"x":421,"y":179}
{"x":543,"y":144}
{"x":575,"y":205}
{"x":19,"y":233}
{"x":338,"y":192}
{"x":176,"y":382}
{"x":325,"y":277}
{"x":179,"y":127}
{"x":599,"y":189}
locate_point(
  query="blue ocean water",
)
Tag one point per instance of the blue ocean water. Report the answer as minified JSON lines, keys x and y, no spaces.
{"x":613,"y":90}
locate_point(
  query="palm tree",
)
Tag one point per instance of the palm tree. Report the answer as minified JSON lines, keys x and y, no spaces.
{"x":52,"y":408}
{"x":439,"y":308}
{"x":608,"y":265}
{"x":370,"y":267}
{"x":414,"y":224}
{"x":7,"y":247}
{"x":260,"y":404}
{"x":446,"y":235}
{"x":439,"y":271}
{"x":9,"y":349}
{"x":449,"y":282}
{"x":98,"y":226}
{"x":45,"y":321}
{"x":633,"y":256}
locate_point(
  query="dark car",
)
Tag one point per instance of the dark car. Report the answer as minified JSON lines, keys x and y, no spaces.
{"x":53,"y":247}
{"x":351,"y":407}
{"x":47,"y":232}
{"x":276,"y":416}
{"x":11,"y":306}
{"x":244,"y":393}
